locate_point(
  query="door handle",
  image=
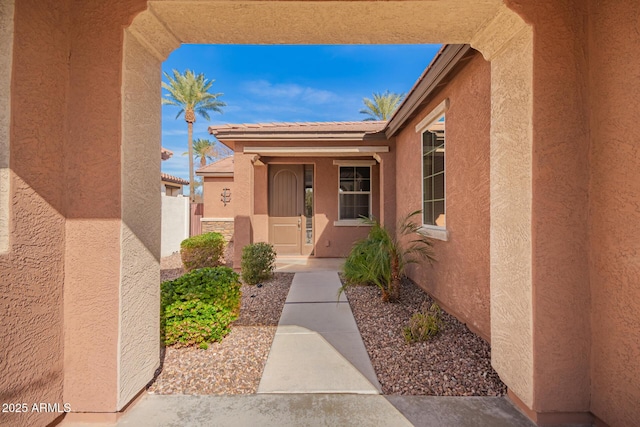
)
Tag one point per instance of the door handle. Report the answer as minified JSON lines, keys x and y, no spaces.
{"x":299,"y":223}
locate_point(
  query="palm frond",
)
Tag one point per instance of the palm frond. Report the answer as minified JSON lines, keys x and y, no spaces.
{"x":382,"y":106}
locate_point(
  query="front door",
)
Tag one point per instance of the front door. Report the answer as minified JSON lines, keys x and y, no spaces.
{"x":286,"y":208}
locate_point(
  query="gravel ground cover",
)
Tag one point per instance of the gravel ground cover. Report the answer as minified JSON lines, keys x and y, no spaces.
{"x":235,"y":365}
{"x":454,"y":363}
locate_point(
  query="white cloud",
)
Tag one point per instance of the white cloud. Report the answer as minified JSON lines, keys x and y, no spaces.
{"x":175,"y":132}
{"x":291,"y":91}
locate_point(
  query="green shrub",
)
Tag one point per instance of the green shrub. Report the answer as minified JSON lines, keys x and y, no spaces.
{"x":423,"y":325}
{"x":194,"y":322}
{"x":204,"y":250}
{"x":198,"y":307}
{"x":381,"y":258}
{"x":258,"y":262}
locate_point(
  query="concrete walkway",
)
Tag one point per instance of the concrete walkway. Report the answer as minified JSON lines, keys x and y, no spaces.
{"x":318,"y":373}
{"x":317,"y":347}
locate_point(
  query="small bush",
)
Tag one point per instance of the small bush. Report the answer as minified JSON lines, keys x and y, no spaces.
{"x":198,"y":307}
{"x":423,"y":325}
{"x":258,"y":262}
{"x":194,"y":322}
{"x":204,"y":250}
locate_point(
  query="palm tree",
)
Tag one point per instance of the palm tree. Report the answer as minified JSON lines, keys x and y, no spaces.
{"x":204,"y":150}
{"x":190,"y":92}
{"x":382,"y":106}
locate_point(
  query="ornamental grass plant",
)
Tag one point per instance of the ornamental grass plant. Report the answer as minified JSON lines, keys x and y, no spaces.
{"x":382,"y":257}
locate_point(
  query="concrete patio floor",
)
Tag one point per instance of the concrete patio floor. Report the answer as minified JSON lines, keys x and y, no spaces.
{"x":298,"y":264}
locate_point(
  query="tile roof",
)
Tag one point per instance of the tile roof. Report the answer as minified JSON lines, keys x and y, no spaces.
{"x":220,"y":166}
{"x":176,"y":180}
{"x":299,"y":127}
{"x":165,"y":154}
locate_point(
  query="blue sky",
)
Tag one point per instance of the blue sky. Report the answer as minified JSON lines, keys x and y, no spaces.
{"x":270,"y":83}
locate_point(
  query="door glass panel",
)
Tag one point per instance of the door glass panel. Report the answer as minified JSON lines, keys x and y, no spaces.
{"x":308,"y":203}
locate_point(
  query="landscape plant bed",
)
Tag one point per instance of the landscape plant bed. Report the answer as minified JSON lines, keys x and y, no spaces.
{"x":235,"y":365}
{"x":456,"y":362}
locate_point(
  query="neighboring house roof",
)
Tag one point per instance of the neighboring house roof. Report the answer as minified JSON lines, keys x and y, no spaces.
{"x":174,"y":179}
{"x":219,"y":168}
{"x":316,"y":131}
{"x":165,"y":154}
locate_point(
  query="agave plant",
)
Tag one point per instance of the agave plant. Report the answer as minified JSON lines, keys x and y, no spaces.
{"x":381,"y":258}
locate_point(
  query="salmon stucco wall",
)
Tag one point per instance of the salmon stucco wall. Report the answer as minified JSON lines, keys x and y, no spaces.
{"x":32,"y":270}
{"x":459,"y":279}
{"x":213,"y":205}
{"x":95,"y":181}
{"x":614,"y":210}
{"x":559,"y":206}
{"x":330,"y":240}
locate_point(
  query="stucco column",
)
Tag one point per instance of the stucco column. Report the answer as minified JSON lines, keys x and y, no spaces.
{"x":539,"y":169}
{"x":111,"y":303}
{"x":388,"y":188}
{"x":243,"y":230}
{"x":507,"y":43}
{"x":260,"y":203}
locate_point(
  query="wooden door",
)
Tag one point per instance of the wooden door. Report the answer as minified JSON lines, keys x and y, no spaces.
{"x":286,"y":204}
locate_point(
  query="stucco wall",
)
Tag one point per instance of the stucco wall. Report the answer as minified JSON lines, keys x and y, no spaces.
{"x":6,"y":57}
{"x":559,"y":210}
{"x":66,"y":161}
{"x":460,"y":277}
{"x":330,"y":240}
{"x":95,"y":234}
{"x":32,"y":271}
{"x":139,"y":341}
{"x":213,"y":205}
{"x":614,"y":212}
{"x":175,"y":223}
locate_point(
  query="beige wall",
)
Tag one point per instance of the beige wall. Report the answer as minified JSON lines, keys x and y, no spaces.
{"x":614,"y":195}
{"x":213,"y":205}
{"x":460,"y":277}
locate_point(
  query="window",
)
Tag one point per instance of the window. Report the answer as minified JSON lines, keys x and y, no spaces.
{"x":433,"y":173}
{"x":354,"y":192}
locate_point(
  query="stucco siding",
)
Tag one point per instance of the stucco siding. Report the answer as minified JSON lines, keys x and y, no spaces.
{"x":614,"y":211}
{"x":31,"y":263}
{"x":459,"y":278}
{"x":214,"y":207}
{"x":139,"y":324}
{"x":6,"y":57}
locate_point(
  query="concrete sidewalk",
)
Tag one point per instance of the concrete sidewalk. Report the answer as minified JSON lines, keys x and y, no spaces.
{"x":317,"y":347}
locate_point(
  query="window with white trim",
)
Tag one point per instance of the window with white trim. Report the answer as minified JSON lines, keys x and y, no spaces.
{"x":433,"y":173}
{"x":354,"y":192}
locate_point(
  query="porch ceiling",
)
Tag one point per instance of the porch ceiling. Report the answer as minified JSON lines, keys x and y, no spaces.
{"x":343,"y":151}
